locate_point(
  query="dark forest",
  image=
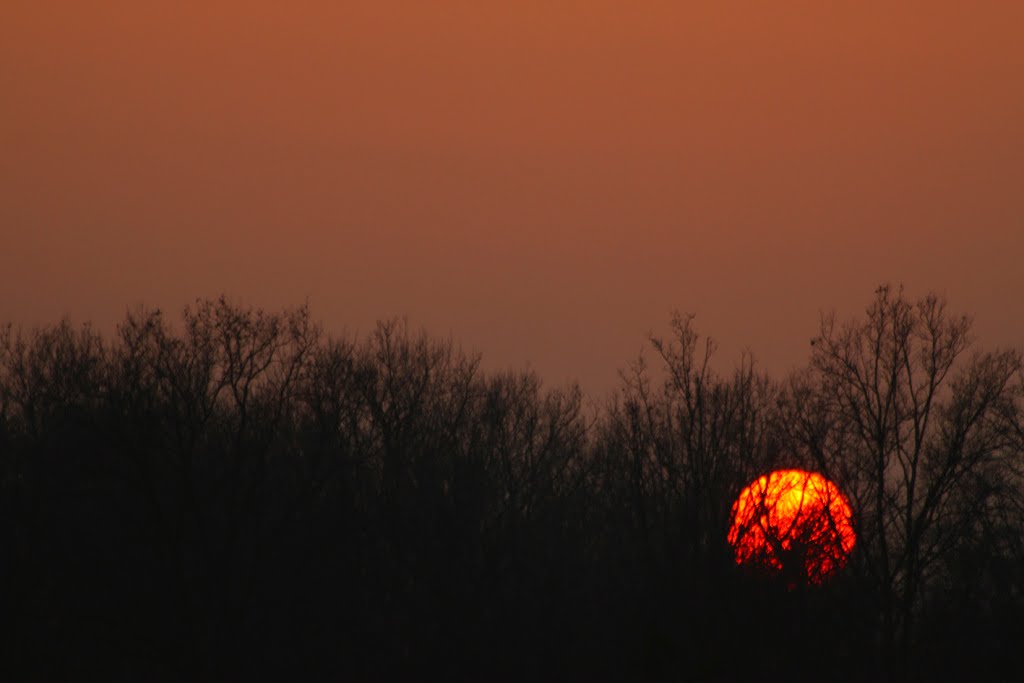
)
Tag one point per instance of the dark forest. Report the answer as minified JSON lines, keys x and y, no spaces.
{"x":232,"y":494}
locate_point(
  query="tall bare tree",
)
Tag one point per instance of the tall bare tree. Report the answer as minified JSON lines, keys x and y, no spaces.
{"x":895,"y":409}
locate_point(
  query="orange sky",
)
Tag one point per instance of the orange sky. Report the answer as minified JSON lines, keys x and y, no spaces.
{"x":544,"y":181}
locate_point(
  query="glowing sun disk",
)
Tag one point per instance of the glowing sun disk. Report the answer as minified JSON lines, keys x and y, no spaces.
{"x":794,"y":523}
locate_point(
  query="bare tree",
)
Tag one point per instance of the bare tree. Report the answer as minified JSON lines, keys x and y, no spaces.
{"x":894,"y":410}
{"x":690,"y":444}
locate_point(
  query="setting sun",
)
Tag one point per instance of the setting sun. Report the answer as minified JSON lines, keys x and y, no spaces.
{"x":794,"y":523}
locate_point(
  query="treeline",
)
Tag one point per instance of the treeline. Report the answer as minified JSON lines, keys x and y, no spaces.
{"x":234,"y":495}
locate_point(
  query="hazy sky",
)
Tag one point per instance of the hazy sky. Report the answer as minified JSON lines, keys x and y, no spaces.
{"x":544,"y":181}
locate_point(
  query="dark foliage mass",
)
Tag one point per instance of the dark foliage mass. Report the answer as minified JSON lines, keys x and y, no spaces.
{"x":234,"y":496}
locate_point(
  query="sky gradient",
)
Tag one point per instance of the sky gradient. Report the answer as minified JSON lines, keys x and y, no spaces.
{"x":543,"y":181}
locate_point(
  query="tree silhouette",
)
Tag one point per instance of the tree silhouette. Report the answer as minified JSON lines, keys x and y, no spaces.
{"x":908,"y":425}
{"x":234,"y":494}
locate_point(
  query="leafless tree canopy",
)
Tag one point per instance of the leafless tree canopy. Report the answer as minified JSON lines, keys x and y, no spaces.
{"x":233,"y":494}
